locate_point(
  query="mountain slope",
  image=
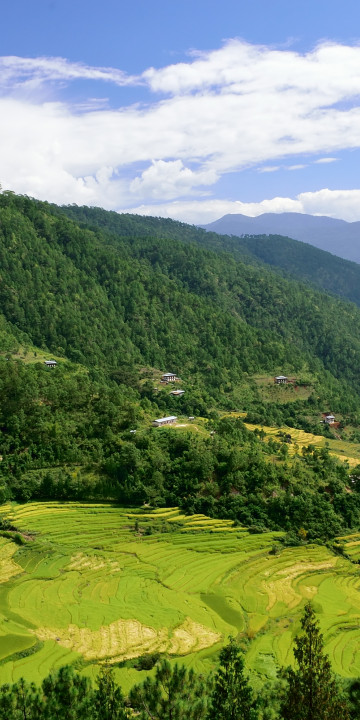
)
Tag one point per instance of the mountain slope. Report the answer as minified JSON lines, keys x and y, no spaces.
{"x":335,"y":236}
{"x":303,"y":261}
{"x":131,"y":307}
{"x":110,"y":301}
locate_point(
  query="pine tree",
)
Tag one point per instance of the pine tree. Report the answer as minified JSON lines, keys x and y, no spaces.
{"x":174,"y":694}
{"x":21,"y":701}
{"x":232,"y":697}
{"x":67,"y":695}
{"x":107,"y":700}
{"x":312,"y":692}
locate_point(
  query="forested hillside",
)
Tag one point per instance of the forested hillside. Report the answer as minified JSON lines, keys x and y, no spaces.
{"x":297,"y":259}
{"x":117,"y":310}
{"x":163,"y":303}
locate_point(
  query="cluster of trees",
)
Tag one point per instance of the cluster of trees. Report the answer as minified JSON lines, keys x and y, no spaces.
{"x":66,"y":436}
{"x":308,"y":691}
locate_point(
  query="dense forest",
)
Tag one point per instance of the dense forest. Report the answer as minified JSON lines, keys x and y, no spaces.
{"x":120,"y":299}
{"x":289,"y":257}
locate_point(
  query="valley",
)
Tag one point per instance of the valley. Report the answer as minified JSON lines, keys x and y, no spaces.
{"x":123,"y":544}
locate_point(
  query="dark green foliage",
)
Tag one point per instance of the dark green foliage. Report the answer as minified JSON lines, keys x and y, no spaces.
{"x":114,"y":297}
{"x":312,"y":692}
{"x":353,"y":695}
{"x":21,"y":701}
{"x":232,"y":697}
{"x":67,"y":695}
{"x":174,"y":694}
{"x":64,"y":695}
{"x":302,"y":261}
{"x":107,"y":698}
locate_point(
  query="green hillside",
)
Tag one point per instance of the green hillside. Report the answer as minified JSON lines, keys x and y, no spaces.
{"x":290,"y":257}
{"x":164,"y":304}
{"x":118,"y":311}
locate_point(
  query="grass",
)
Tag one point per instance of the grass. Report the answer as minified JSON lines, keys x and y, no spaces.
{"x":269,"y":391}
{"x":92,"y":586}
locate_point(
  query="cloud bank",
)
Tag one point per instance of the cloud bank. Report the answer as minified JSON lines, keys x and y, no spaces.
{"x":235,"y":108}
{"x":343,"y":204}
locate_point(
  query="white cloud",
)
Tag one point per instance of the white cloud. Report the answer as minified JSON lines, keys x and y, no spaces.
{"x":343,"y":204}
{"x":325,"y":160}
{"x":169,"y":180}
{"x":269,"y":168}
{"x":17,"y":72}
{"x":238,"y":107}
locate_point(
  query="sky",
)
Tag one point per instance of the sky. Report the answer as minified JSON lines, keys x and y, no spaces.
{"x":183,"y":109}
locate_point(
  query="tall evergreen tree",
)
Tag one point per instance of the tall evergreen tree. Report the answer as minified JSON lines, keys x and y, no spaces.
{"x":21,"y":701}
{"x":107,"y":700}
{"x":174,"y":694}
{"x":67,"y":696}
{"x":232,"y":697}
{"x":312,"y":692}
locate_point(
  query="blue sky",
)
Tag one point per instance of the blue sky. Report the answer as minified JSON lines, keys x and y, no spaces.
{"x":183,"y":109}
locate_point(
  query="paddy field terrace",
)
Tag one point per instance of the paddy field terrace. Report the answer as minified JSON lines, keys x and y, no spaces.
{"x":96,"y":583}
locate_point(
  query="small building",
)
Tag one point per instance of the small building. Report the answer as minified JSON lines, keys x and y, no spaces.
{"x":169,"y":377}
{"x":50,"y":363}
{"x":329,"y":419}
{"x":281,"y":380}
{"x":165,"y":421}
{"x":177,"y":392}
{"x":191,"y":417}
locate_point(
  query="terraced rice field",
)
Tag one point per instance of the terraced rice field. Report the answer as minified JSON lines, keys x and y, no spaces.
{"x":347,"y":451}
{"x":92,"y":586}
{"x":351,"y":545}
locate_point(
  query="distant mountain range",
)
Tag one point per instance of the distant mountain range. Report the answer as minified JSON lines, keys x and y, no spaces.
{"x":335,"y":236}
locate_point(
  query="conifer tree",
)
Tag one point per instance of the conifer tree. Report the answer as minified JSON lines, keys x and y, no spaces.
{"x":107,"y":700}
{"x":174,"y":694}
{"x":67,"y":696}
{"x":232,"y":697}
{"x":312,"y":692}
{"x":20,"y":701}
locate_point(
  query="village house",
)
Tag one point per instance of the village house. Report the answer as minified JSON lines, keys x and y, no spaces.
{"x":281,"y":380}
{"x":165,"y":421}
{"x":329,"y":419}
{"x":169,"y":377}
{"x":50,"y":363}
{"x":177,"y":392}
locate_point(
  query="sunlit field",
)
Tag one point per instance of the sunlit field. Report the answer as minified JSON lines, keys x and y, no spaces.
{"x":96,"y":583}
{"x":347,"y":451}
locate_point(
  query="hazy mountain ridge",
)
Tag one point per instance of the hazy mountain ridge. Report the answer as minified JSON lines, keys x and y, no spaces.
{"x":336,"y":236}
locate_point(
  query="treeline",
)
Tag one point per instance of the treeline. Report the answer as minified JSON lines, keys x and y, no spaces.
{"x":309,"y":691}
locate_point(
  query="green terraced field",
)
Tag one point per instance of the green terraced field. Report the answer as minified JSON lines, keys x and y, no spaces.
{"x":92,"y":585}
{"x":347,"y":451}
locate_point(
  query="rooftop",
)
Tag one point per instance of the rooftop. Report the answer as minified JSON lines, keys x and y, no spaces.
{"x":164,"y":419}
